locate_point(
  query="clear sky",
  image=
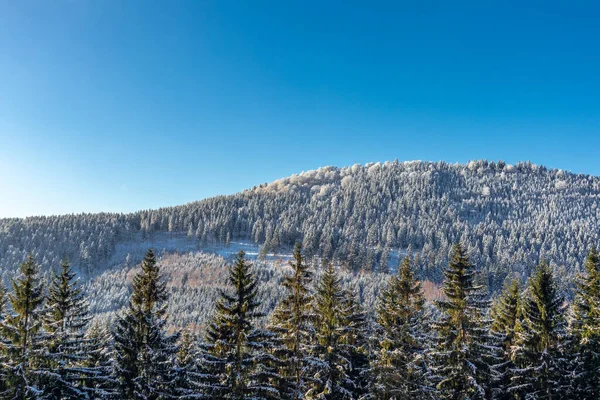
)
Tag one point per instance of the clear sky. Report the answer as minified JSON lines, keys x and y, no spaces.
{"x":122,"y":105}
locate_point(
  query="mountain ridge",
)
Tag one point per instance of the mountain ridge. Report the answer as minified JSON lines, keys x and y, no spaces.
{"x":518,"y":165}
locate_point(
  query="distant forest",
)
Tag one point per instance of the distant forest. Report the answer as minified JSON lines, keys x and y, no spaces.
{"x":509,"y":217}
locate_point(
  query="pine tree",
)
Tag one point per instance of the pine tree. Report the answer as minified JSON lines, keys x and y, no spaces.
{"x":331,"y":380}
{"x":465,"y":351}
{"x":585,"y":328}
{"x":540,"y":370}
{"x":398,"y":365}
{"x":235,"y":363}
{"x":506,"y":323}
{"x":143,"y":352}
{"x":291,"y":322}
{"x":20,"y":332}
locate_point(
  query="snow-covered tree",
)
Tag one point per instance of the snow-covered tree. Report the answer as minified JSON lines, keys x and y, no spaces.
{"x":144,"y":353}
{"x":98,"y":363}
{"x":332,"y":365}
{"x":62,"y":369}
{"x":235,"y":362}
{"x":20,"y":343}
{"x":465,"y":351}
{"x":355,"y":338}
{"x":186,"y":368}
{"x":291,"y":321}
{"x":541,"y":368}
{"x":399,"y":367}
{"x":585,"y":328}
{"x":4,"y":376}
{"x":506,"y":314}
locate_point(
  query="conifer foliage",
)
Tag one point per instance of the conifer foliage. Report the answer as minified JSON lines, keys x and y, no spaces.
{"x":355,"y":337}
{"x":400,"y":342}
{"x":541,"y":370}
{"x":143,"y":352}
{"x":187,"y":365}
{"x":98,"y":363}
{"x":235,"y":363}
{"x":333,"y":364}
{"x":506,"y":315}
{"x":64,"y":371}
{"x":20,"y":344}
{"x":319,"y":342}
{"x":292,"y":323}
{"x":465,"y":352}
{"x":3,"y":371}
{"x":586,"y":329}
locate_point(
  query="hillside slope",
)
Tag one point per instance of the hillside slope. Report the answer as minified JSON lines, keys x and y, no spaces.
{"x":508,"y":215}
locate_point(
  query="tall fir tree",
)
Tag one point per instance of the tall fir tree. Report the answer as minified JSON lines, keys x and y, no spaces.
{"x":399,"y":367}
{"x":585,"y":328}
{"x":292,"y":322}
{"x":235,"y":363}
{"x":144,"y":353}
{"x":331,"y":380}
{"x":64,"y":321}
{"x":506,"y":314}
{"x":19,"y":330}
{"x":465,"y":352}
{"x":4,"y":376}
{"x":541,"y":370}
{"x":355,"y":337}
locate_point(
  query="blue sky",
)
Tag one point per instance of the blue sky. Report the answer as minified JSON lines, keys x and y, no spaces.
{"x":123,"y":105}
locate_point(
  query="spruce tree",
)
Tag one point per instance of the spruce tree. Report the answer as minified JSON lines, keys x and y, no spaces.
{"x":144,"y":353}
{"x":465,"y":351}
{"x":19,"y":330}
{"x":187,"y":371}
{"x":585,"y":328}
{"x":331,"y":379}
{"x":65,"y":318}
{"x":541,"y":369}
{"x":98,"y":363}
{"x":235,"y":363}
{"x":355,"y":338}
{"x":291,"y":322}
{"x":400,"y":342}
{"x":2,"y":302}
{"x":506,"y":323}
{"x":3,"y":371}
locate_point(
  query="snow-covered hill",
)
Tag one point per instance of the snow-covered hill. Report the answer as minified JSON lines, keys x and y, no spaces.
{"x":509,"y":216}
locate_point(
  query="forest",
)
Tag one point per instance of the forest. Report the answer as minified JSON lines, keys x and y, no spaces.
{"x":509,"y":217}
{"x":319,"y":341}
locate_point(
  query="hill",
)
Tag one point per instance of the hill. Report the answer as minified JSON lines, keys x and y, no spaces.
{"x":509,"y":216}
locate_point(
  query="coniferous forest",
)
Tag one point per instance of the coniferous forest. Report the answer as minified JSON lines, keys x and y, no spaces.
{"x":295,"y":200}
{"x":509,"y":217}
{"x":319,"y":341}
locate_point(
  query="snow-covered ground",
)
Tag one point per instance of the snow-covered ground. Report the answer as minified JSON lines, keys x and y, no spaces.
{"x":132,"y":252}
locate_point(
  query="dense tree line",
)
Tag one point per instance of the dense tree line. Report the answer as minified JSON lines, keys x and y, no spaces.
{"x":195,"y":279}
{"x":319,"y":342}
{"x":509,"y":217}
